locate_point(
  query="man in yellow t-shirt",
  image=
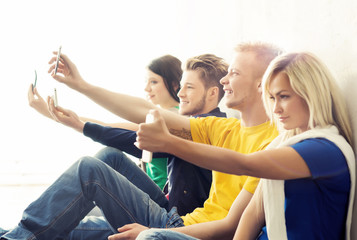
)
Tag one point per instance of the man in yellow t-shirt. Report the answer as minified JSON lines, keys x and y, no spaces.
{"x":122,"y":203}
{"x":227,"y":133}
{"x":229,"y":194}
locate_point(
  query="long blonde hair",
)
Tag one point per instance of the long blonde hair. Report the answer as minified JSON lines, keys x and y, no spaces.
{"x":312,"y":81}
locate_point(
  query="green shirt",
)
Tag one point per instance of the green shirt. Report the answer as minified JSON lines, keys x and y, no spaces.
{"x":157,"y":171}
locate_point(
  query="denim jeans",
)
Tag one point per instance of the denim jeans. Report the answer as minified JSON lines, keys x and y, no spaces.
{"x":117,"y":160}
{"x":163,"y":234}
{"x":91,"y":227}
{"x":118,"y":187}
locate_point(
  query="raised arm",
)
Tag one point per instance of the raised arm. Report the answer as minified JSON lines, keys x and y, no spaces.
{"x":39,"y":104}
{"x":125,"y":125}
{"x":65,"y":116}
{"x":133,"y":109}
{"x":282,"y":163}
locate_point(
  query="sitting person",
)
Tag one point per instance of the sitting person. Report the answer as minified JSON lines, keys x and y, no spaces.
{"x":309,"y":170}
{"x":163,"y":75}
{"x":188,"y":185}
{"x":89,"y":182}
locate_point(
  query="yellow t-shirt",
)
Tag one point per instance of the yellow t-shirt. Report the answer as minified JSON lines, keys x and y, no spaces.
{"x":227,"y":133}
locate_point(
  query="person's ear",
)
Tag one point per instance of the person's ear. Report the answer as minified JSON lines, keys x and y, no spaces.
{"x":213,"y":92}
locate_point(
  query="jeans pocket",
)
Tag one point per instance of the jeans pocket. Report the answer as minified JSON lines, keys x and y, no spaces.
{"x":174,"y":219}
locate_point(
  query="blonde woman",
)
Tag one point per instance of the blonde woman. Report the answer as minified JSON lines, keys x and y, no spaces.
{"x":308,"y":172}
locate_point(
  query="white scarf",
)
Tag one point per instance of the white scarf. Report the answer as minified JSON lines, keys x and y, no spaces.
{"x":273,"y":190}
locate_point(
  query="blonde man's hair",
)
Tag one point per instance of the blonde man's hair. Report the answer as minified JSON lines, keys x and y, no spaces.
{"x":312,"y":81}
{"x":264,"y":53}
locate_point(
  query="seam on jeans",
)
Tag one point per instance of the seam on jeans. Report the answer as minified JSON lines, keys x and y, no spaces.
{"x":59,"y":216}
{"x":114,"y":198}
{"x":177,"y":219}
{"x":168,"y":223}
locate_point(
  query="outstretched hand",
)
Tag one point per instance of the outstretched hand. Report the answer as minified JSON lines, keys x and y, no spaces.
{"x":65,"y":116}
{"x":153,"y":136}
{"x":128,"y":232}
{"x":70,"y":75}
{"x":37,"y":102}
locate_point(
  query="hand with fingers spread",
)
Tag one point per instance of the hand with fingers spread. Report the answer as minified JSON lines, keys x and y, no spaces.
{"x":128,"y":232}
{"x":70,"y":75}
{"x":37,"y":102}
{"x":65,"y":116}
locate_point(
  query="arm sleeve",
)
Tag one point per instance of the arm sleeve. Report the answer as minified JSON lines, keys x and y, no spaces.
{"x":119,"y":138}
{"x":203,"y":129}
{"x":251,"y":184}
{"x":322,"y":156}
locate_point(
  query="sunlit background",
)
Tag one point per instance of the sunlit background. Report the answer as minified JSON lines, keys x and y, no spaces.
{"x":111,"y":42}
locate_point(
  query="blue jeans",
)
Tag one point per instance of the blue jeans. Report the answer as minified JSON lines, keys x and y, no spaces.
{"x":163,"y":234}
{"x":91,"y":227}
{"x":117,"y":160}
{"x":89,"y":182}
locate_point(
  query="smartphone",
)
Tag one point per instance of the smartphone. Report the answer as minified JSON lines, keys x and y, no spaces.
{"x":58,"y":58}
{"x":54,"y":97}
{"x":146,"y":155}
{"x":34,"y":84}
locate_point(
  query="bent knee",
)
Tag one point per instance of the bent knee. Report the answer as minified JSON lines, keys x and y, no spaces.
{"x":109,"y":155}
{"x":88,"y":164}
{"x":113,"y":157}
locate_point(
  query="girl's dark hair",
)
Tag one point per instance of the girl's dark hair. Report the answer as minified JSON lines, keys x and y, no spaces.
{"x":169,"y":68}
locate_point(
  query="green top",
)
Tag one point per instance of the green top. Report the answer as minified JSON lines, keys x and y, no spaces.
{"x":157,"y":171}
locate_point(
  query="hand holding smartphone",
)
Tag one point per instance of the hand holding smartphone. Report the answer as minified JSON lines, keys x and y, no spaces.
{"x":146,"y":155}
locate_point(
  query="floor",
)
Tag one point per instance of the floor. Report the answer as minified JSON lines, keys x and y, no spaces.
{"x":21,"y":183}
{"x":14,"y":200}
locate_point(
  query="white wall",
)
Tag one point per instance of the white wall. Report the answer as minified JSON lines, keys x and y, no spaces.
{"x":326,"y":28}
{"x":112,"y":41}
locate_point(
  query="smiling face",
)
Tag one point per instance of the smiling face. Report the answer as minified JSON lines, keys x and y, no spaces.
{"x":290,"y":109}
{"x":241,"y":83}
{"x":156,"y":90}
{"x":192,"y":94}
